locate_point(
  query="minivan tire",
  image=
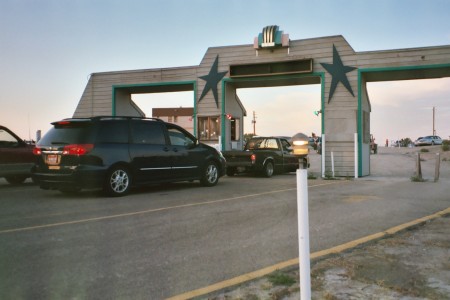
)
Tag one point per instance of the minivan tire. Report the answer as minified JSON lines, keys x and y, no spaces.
{"x":210,"y":175}
{"x":118,"y":181}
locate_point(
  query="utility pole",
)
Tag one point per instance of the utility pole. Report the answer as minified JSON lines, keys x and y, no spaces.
{"x":254,"y":123}
{"x":434,"y":131}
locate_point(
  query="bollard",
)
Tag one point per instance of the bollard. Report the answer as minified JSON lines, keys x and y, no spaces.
{"x":356,"y":155}
{"x":332,"y":163}
{"x":418,"y":167}
{"x":437,"y":167}
{"x":303,"y":234}
{"x":322,"y":150}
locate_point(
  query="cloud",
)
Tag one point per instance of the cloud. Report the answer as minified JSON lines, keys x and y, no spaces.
{"x":409,"y":92}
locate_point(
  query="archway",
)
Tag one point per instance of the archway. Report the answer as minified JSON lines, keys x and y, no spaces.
{"x":364,"y":105}
{"x":273,"y":59}
{"x":231,"y":104}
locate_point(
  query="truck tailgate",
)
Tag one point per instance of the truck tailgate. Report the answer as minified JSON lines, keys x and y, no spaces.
{"x":238,"y":158}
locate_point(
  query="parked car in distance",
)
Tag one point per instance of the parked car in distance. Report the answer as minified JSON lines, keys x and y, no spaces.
{"x":116,"y":153}
{"x":428,"y":140}
{"x":16,"y":157}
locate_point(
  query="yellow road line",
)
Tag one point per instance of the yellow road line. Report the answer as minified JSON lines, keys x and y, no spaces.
{"x":346,"y":246}
{"x":146,"y":211}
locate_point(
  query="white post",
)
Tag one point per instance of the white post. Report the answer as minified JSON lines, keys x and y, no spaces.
{"x":303,"y":234}
{"x":332,"y":163}
{"x":356,"y":155}
{"x":418,"y":167}
{"x":322,"y":143}
{"x":437,"y":166}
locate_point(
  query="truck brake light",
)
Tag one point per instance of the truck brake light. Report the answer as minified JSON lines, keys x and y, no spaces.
{"x":253,"y":158}
{"x":37,"y":151}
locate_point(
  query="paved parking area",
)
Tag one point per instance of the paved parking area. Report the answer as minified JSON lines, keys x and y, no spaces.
{"x":164,"y":241}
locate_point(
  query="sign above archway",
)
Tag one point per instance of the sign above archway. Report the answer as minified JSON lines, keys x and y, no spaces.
{"x":271,"y":37}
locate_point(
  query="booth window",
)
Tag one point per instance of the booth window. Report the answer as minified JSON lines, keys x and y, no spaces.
{"x":208,"y":128}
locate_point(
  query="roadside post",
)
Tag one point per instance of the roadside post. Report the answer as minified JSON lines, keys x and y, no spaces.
{"x":303,"y":230}
{"x":437,"y":167}
{"x":322,"y":151}
{"x":356,"y":155}
{"x":418,"y":168}
{"x":303,"y":233}
{"x":332,"y":163}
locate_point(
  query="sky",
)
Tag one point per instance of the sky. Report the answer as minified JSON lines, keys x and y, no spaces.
{"x":48,"y":49}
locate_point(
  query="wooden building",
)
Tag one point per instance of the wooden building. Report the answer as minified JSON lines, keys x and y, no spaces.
{"x":182,"y":116}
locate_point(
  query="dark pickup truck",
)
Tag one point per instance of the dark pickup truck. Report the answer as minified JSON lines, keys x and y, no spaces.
{"x":16,"y":157}
{"x":266,"y":155}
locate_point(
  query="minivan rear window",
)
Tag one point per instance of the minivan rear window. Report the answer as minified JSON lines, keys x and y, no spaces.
{"x":71,"y":133}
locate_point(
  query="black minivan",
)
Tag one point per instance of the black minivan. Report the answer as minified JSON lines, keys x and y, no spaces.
{"x":116,"y":153}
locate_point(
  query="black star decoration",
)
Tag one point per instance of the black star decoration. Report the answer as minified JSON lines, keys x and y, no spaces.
{"x":212,"y":79}
{"x":338,"y":72}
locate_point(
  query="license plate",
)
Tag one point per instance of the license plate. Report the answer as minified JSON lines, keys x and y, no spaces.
{"x":53,"y":159}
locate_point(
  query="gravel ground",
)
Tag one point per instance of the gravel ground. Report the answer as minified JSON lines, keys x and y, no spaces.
{"x":414,"y":264}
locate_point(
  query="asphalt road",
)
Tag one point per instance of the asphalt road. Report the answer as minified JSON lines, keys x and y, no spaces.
{"x":166,"y":240}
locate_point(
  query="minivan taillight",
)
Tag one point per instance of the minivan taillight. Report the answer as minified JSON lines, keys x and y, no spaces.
{"x":77,"y":149}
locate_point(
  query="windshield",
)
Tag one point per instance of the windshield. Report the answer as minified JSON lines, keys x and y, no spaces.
{"x":6,"y":139}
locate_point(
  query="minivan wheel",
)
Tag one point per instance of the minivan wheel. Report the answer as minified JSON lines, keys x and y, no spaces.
{"x":210,"y":175}
{"x":118,"y":182}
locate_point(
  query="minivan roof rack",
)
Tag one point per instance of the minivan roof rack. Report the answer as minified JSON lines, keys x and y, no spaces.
{"x":87,"y":119}
{"x":125,"y":117}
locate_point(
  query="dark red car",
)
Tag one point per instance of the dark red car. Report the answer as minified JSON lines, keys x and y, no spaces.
{"x":16,"y":157}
